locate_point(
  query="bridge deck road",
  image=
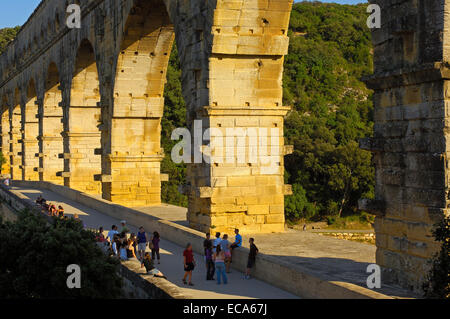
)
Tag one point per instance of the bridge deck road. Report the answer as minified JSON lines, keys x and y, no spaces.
{"x":171,"y":257}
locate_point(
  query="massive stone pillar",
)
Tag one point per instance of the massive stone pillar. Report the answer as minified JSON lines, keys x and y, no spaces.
{"x":16,"y":137}
{"x":30,"y":145}
{"x":232,"y":54}
{"x":82,"y":136}
{"x":50,"y":129}
{"x":410,"y":141}
{"x":131,"y":164}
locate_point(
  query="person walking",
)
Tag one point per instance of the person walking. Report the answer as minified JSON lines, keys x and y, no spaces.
{"x":251,"y":257}
{"x":210,"y":267}
{"x":155,"y":247}
{"x":219,"y":260}
{"x":142,"y":243}
{"x":225,"y":247}
{"x":189,"y":264}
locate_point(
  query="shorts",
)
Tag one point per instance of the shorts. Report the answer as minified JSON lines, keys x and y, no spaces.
{"x":142,"y":246}
{"x":250,"y":263}
{"x":189,"y":267}
{"x":227,"y":254}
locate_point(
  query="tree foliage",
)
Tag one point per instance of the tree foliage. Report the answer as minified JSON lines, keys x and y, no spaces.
{"x":437,"y":285}
{"x":329,"y":52}
{"x":6,"y":36}
{"x":35,"y":255}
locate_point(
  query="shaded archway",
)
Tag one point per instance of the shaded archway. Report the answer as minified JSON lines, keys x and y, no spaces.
{"x":51,"y":127}
{"x":16,"y":137}
{"x":136,"y":154}
{"x":30,"y":145}
{"x":83,"y":136}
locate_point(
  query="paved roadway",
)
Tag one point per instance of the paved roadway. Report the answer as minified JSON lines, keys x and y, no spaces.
{"x":171,"y":258}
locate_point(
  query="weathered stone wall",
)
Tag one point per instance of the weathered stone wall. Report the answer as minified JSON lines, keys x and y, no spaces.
{"x":410,"y":135}
{"x":85,"y":105}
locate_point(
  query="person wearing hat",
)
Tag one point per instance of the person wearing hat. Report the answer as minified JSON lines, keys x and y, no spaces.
{"x":124,"y":227}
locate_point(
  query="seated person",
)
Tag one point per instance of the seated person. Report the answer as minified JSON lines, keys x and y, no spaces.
{"x":150,"y":268}
{"x":46,"y":207}
{"x":100,"y":237}
{"x":60,"y":211}
{"x":39,"y":200}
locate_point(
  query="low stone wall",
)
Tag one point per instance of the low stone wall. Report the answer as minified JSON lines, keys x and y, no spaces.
{"x":138,"y":285}
{"x":287,"y":276}
{"x":7,"y":213}
{"x":368,"y":238}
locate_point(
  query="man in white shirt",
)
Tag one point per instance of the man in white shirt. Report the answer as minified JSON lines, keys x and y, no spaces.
{"x":216,"y":241}
{"x":111,"y":233}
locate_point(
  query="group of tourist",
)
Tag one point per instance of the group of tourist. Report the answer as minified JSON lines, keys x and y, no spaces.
{"x":218,"y":258}
{"x":126,"y":246}
{"x":49,"y":208}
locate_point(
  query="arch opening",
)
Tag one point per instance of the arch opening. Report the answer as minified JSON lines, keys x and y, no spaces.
{"x":30,"y":145}
{"x":136,"y":154}
{"x":51,"y":128}
{"x":5,"y":127}
{"x":15,"y":151}
{"x":82,"y":136}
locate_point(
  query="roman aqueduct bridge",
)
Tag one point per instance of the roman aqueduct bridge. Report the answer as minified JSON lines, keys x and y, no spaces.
{"x":82,"y":107}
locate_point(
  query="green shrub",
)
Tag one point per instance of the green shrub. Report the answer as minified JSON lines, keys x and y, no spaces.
{"x":35,"y":255}
{"x":437,"y":285}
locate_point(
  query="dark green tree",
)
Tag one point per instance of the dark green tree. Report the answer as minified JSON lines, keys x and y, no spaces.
{"x":437,"y":285}
{"x":6,"y":36}
{"x":35,"y":255}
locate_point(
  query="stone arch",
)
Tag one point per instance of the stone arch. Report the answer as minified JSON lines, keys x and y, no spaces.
{"x":134,"y":163}
{"x":82,"y":136}
{"x":16,"y":136}
{"x":5,"y":127}
{"x":51,"y":128}
{"x":30,"y":125}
